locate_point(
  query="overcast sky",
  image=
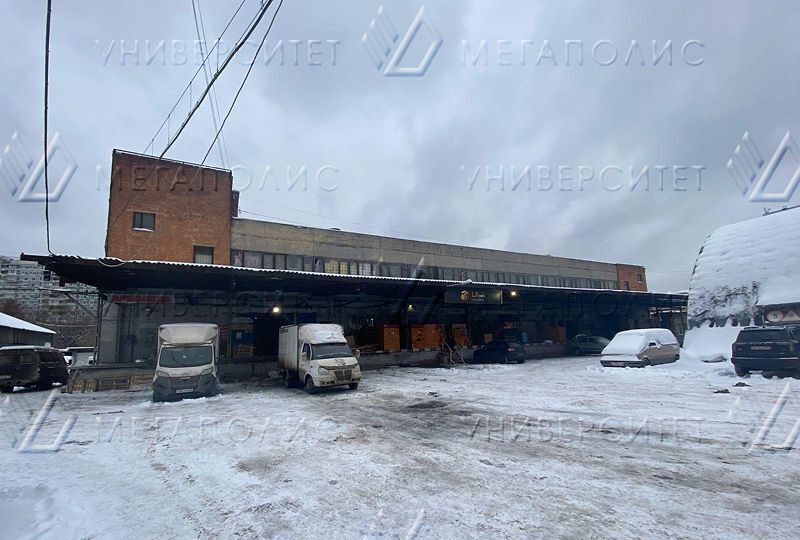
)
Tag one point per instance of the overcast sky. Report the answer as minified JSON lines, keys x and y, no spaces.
{"x":414,"y":156}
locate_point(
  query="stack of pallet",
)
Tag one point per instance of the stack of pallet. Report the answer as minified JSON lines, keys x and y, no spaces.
{"x":426,"y":337}
{"x":389,"y":338}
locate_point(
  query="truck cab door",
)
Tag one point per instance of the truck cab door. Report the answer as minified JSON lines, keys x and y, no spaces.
{"x":304,"y":360}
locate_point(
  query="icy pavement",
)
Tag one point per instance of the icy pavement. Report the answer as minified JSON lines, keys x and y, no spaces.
{"x":554,"y":448}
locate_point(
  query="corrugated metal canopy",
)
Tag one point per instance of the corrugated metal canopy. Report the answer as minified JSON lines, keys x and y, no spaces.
{"x":108,"y":274}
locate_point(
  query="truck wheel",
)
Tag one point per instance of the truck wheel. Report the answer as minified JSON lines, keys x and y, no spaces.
{"x":309,"y":386}
{"x":645,"y":362}
{"x":353,"y":385}
{"x":44,"y":383}
{"x":740,"y":372}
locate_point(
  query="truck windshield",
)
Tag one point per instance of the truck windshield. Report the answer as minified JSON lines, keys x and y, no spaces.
{"x":330,"y":350}
{"x":178,"y":357}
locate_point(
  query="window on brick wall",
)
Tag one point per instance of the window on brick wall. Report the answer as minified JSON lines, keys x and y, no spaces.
{"x":204,"y":255}
{"x":640,"y":278}
{"x":626,"y":285}
{"x":144,"y":221}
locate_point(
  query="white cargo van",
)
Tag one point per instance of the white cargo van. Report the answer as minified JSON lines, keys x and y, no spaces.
{"x":187,"y":361}
{"x":640,"y":348}
{"x":317,"y":355}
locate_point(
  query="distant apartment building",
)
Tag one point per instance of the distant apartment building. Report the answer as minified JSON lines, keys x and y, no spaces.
{"x":164,"y":210}
{"x":34,"y":289}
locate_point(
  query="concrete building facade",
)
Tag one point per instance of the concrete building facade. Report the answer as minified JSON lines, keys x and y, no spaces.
{"x":164,"y":210}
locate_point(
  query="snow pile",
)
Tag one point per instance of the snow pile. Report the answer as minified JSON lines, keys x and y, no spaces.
{"x":741,"y":266}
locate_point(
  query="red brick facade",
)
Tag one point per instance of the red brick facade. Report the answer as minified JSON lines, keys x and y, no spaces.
{"x":192,"y":207}
{"x":632,"y":278}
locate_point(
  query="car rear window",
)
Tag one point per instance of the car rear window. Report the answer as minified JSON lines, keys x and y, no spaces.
{"x":750,"y":336}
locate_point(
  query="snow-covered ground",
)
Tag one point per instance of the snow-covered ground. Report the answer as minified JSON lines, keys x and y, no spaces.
{"x":552,"y":448}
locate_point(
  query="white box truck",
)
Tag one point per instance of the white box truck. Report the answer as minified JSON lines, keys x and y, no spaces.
{"x":317,"y":356}
{"x":187,"y":361}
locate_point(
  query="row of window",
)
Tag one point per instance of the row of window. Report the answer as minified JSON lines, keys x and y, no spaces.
{"x":280,"y":261}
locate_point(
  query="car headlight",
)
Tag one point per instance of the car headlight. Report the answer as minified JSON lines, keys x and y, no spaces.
{"x":208,"y":371}
{"x":322,"y":369}
{"x":160,"y":373}
{"x":357,"y":368}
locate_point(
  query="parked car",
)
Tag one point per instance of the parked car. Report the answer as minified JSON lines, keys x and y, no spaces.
{"x":640,"y":348}
{"x":583,"y":344}
{"x":31,"y":366}
{"x":500,"y":351}
{"x":769,"y":349}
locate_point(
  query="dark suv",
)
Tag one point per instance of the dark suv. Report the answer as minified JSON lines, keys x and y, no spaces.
{"x":31,"y":366}
{"x":768,"y":349}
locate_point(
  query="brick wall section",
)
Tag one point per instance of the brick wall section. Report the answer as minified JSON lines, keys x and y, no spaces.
{"x":631,"y":274}
{"x":193,"y":206}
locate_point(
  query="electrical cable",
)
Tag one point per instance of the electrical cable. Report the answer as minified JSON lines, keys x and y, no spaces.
{"x":46,"y":96}
{"x":188,"y":86}
{"x":213,"y":101}
{"x":246,"y":75}
{"x":219,"y":72}
{"x":224,"y":145}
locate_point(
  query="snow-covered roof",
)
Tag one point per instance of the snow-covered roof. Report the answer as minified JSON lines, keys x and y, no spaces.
{"x":112,"y":263}
{"x":740,"y":268}
{"x":747,"y":264}
{"x":12,"y":322}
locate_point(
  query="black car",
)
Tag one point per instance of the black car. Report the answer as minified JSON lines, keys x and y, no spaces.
{"x":31,"y":366}
{"x":500,"y":351}
{"x":770,"y":349}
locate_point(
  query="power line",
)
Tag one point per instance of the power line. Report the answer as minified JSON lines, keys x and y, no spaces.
{"x":246,"y":75}
{"x":213,"y":102}
{"x":253,"y":23}
{"x":213,"y":90}
{"x":46,"y":96}
{"x":219,"y":72}
{"x":189,"y":86}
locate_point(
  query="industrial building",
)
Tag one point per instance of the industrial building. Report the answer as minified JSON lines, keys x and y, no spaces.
{"x":176,"y":251}
{"x":14,"y":331}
